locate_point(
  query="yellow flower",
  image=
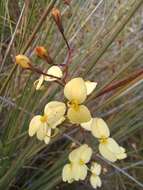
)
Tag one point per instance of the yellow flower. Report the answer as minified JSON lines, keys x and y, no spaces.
{"x":23,"y":61}
{"x":108,"y":147}
{"x":55,"y":71}
{"x":77,"y":169}
{"x":110,"y":150}
{"x":76,"y":92}
{"x":42,"y":125}
{"x":94,"y":178}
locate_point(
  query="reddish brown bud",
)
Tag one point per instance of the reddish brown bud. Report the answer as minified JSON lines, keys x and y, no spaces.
{"x":41,"y":51}
{"x":67,"y":2}
{"x":57,"y":17}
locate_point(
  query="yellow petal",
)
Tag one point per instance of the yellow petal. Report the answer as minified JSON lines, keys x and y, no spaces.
{"x":95,"y":181}
{"x":113,"y":146}
{"x":85,"y":153}
{"x":122,"y":154}
{"x":99,"y":128}
{"x":79,"y":171}
{"x":75,"y":90}
{"x":79,"y":116}
{"x":54,"y":71}
{"x":38,"y":83}
{"x":34,"y":125}
{"x":42,"y":131}
{"x":47,"y":138}
{"x":95,"y":168}
{"x":87,"y":125}
{"x":55,"y":111}
{"x":123,"y":150}
{"x":106,"y":153}
{"x":81,"y":154}
{"x":67,"y":173}
{"x":74,"y":156}
{"x":90,"y":86}
{"x":56,"y":123}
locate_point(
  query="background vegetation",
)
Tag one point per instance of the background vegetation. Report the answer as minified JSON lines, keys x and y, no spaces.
{"x":106,"y":38}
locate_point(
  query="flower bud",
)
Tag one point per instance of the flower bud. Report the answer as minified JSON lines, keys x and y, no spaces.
{"x":23,"y":61}
{"x":57,"y":17}
{"x":67,"y":2}
{"x":41,"y":51}
{"x":44,"y":54}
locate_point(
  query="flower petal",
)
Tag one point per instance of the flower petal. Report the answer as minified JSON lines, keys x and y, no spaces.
{"x":79,"y":171}
{"x":87,"y":125}
{"x":106,"y":153}
{"x":99,"y":128}
{"x":55,"y":124}
{"x":90,"y":86}
{"x":47,"y":138}
{"x":113,"y":146}
{"x":54,"y":71}
{"x":95,"y":181}
{"x":34,"y":125}
{"x":95,"y":168}
{"x":79,"y":116}
{"x":122,"y":154}
{"x":55,"y":111}
{"x":85,"y":153}
{"x":75,"y":90}
{"x":42,"y":131}
{"x":74,"y":156}
{"x":67,"y":173}
{"x":81,"y":154}
{"x":38,"y":83}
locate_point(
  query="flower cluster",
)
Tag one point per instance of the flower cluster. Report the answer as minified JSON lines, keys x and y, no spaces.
{"x":77,"y":169}
{"x":42,"y":125}
{"x":76,"y":91}
{"x":108,"y":147}
{"x":74,"y":111}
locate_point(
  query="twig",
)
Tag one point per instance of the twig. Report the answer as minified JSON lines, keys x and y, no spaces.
{"x":120,"y":83}
{"x":66,"y":65}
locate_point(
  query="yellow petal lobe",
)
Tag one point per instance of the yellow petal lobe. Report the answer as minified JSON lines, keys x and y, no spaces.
{"x":90,"y":86}
{"x":75,"y":89}
{"x":80,"y":115}
{"x":55,"y":71}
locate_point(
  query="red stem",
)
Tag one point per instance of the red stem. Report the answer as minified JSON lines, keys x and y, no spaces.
{"x":120,"y":83}
{"x":67,"y":64}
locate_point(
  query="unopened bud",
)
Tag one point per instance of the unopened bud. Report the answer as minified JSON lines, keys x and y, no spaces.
{"x":44,"y":54}
{"x":67,"y":2}
{"x":23,"y":61}
{"x":58,"y":18}
{"x":41,"y":51}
